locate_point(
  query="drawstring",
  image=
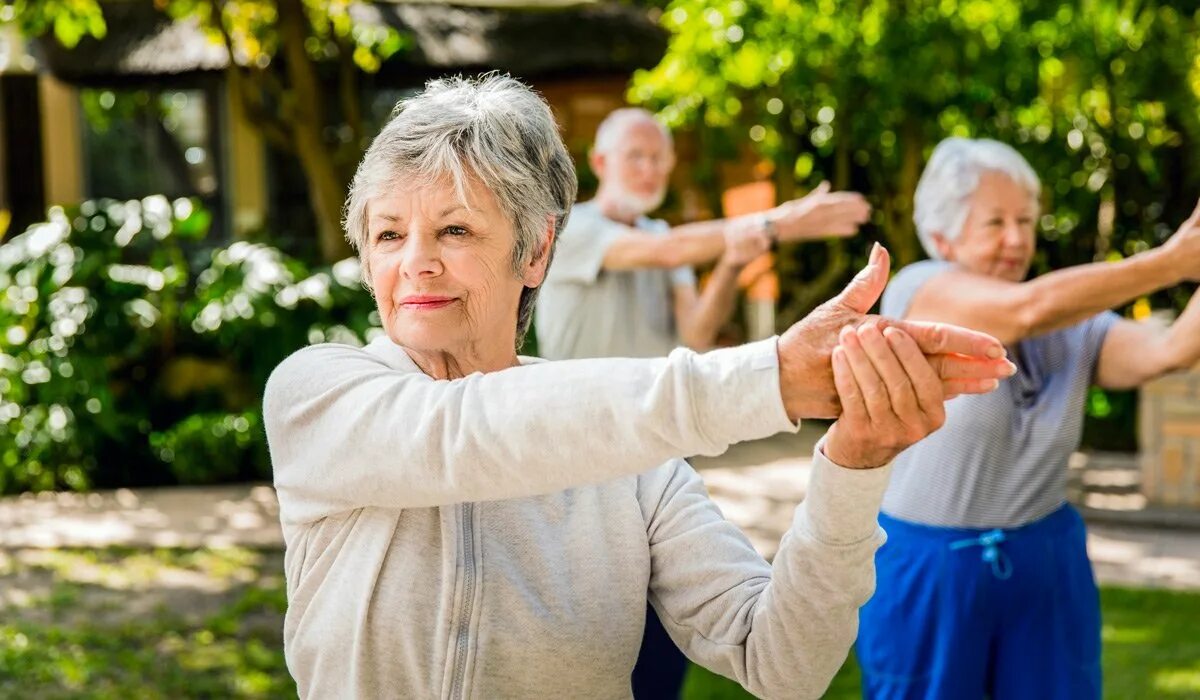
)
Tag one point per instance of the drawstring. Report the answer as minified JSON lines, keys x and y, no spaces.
{"x":992,"y":554}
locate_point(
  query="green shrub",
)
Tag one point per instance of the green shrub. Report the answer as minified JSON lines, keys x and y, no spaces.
{"x":131,"y":354}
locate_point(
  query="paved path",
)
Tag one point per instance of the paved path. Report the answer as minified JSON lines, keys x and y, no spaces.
{"x":757,"y":485}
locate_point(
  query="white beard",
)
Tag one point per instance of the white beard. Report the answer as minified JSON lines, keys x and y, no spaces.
{"x":632,"y":204}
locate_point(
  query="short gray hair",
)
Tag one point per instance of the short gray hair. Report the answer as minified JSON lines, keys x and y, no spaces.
{"x":952,"y":176}
{"x":614,"y":125}
{"x":493,"y":128}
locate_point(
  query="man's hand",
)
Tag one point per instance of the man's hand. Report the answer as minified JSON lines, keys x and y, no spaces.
{"x":1183,"y":249}
{"x":819,"y":214}
{"x":745,"y":240}
{"x":967,"y":362}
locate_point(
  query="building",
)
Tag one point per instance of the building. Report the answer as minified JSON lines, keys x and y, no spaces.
{"x":151,"y":108}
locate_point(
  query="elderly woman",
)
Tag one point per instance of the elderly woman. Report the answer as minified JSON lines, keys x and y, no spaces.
{"x":985,"y":588}
{"x":461,"y":522}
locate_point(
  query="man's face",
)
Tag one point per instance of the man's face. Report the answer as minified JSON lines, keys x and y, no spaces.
{"x":636,"y":169}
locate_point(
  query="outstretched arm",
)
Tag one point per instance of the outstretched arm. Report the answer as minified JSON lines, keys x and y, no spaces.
{"x":346,"y":430}
{"x":820,"y":213}
{"x":699,"y":317}
{"x":1011,"y":311}
{"x":1134,"y":353}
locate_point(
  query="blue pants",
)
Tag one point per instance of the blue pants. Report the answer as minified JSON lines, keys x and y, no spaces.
{"x":660,"y":668}
{"x":963,"y":613}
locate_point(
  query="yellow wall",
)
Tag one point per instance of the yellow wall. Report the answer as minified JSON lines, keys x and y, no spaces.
{"x":62,"y":142}
{"x":246,"y":168}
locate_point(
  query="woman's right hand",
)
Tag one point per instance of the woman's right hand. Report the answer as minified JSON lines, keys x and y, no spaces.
{"x":1182,"y":250}
{"x":968,"y":362}
{"x":891,"y":397}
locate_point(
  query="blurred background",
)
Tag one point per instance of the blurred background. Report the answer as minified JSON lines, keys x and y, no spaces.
{"x":171,"y":180}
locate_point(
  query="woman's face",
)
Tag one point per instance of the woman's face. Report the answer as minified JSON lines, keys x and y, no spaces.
{"x":442,"y":272}
{"x":998,"y":236}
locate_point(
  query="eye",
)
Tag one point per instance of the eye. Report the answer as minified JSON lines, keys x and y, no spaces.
{"x":997,"y":221}
{"x":387,"y":235}
{"x":455,"y":231}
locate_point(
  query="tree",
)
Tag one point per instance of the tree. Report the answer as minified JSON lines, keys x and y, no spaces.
{"x":1101,"y":96}
{"x":282,"y":55}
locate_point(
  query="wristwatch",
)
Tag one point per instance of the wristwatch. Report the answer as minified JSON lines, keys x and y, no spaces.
{"x":769,"y":228}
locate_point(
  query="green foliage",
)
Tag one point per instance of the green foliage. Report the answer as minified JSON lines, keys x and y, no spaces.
{"x":131,"y":355}
{"x":1100,"y":96}
{"x":251,"y":25}
{"x":69,"y":20}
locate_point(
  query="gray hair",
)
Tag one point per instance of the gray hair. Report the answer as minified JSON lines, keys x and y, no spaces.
{"x":614,"y":125}
{"x":493,"y":128}
{"x":952,"y":175}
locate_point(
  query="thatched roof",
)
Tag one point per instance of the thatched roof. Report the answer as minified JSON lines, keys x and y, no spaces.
{"x":530,"y":39}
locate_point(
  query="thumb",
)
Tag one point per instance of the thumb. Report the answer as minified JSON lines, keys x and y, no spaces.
{"x":866,"y":287}
{"x":821,"y":188}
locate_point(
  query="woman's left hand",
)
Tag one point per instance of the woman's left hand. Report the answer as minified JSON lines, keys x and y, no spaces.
{"x":891,"y":397}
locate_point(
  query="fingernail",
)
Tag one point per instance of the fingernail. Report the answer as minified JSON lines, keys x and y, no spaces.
{"x":1012,"y":369}
{"x":991,"y":385}
{"x":875,"y":248}
{"x":995,"y":353}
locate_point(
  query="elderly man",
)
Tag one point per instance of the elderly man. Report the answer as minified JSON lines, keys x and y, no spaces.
{"x":622,"y":284}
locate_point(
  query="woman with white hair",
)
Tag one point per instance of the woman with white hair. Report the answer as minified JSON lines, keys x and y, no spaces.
{"x":461,"y":522}
{"x":985,"y":588}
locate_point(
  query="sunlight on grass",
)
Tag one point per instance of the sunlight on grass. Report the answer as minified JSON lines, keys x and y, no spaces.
{"x":1181,"y":680}
{"x":173,"y":623}
{"x":1128,"y":635}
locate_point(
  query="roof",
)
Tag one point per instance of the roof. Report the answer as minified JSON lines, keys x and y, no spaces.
{"x":525,"y":38}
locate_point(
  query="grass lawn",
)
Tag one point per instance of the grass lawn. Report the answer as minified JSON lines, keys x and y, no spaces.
{"x":122,"y":623}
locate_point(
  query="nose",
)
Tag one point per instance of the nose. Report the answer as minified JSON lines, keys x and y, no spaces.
{"x":1014,"y":235}
{"x":421,"y":257}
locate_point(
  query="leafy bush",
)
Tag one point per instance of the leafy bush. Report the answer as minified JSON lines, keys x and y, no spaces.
{"x":130,"y":354}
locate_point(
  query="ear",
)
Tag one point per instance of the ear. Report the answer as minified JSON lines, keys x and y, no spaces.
{"x":598,"y":163}
{"x":535,"y":270}
{"x":944,"y":249}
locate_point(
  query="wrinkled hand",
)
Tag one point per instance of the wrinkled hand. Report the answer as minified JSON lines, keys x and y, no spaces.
{"x":891,"y":397}
{"x":966,"y":361}
{"x":819,"y":214}
{"x":1183,"y":248}
{"x":745,"y":240}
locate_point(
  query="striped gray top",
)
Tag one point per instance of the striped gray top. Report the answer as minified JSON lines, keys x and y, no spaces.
{"x":1001,"y":458}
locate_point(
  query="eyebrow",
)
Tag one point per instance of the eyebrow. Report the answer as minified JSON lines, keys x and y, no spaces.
{"x":445,"y":212}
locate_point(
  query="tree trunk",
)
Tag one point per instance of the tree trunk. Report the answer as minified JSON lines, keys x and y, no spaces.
{"x":326,"y":185}
{"x":901,"y":232}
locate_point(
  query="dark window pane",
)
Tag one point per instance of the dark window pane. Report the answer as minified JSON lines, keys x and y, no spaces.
{"x":139,"y":142}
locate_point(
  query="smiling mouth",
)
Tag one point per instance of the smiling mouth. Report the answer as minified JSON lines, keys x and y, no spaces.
{"x":426,"y":303}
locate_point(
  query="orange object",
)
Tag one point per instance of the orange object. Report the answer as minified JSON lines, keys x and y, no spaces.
{"x":758,"y":278}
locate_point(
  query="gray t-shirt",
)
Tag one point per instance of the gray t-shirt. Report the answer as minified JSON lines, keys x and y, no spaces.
{"x":1001,"y":458}
{"x":586,"y":311}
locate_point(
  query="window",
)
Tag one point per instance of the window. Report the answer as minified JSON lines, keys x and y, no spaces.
{"x":143,"y":141}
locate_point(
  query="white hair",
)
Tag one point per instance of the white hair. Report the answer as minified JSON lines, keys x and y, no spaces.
{"x":492,"y":128}
{"x":952,"y":175}
{"x":614,"y":125}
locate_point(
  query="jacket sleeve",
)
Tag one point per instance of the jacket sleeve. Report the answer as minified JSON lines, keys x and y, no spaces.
{"x":346,"y":430}
{"x":781,"y":630}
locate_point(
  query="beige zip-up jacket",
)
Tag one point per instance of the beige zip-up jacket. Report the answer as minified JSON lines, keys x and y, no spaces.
{"x":497,"y":536}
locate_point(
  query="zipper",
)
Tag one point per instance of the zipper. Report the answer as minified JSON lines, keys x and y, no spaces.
{"x":464,"y":621}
